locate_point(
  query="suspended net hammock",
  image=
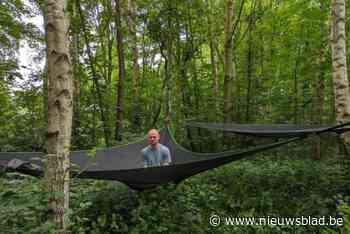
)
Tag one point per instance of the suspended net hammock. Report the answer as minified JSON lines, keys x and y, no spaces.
{"x":125,"y":163}
{"x":270,"y":130}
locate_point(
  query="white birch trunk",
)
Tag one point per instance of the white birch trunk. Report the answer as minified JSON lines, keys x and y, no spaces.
{"x":60,"y":109}
{"x":339,"y":73}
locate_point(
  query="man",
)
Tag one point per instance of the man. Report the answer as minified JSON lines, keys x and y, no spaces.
{"x":155,"y":154}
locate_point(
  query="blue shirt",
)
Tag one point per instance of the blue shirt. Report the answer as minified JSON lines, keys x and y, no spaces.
{"x":156,"y":157}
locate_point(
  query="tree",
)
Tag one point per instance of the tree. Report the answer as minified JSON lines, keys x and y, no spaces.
{"x":228,"y":61}
{"x":132,"y":21}
{"x":121,"y":66}
{"x":320,"y":83}
{"x":60,"y":109}
{"x":213,"y":57}
{"x":339,"y":73}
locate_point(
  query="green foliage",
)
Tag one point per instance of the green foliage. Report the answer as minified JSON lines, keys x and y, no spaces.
{"x":285,"y":39}
{"x":23,"y":207}
{"x":22,"y":113}
{"x":100,"y":207}
{"x":13,"y":28}
{"x":344,"y":210}
{"x":92,"y":152}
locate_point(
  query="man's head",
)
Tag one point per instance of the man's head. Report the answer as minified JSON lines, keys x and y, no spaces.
{"x":153,"y":138}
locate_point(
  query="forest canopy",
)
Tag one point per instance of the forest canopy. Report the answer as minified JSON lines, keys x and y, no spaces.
{"x":280,"y":52}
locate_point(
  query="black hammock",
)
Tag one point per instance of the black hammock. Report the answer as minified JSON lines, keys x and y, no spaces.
{"x":125,"y":164}
{"x":270,"y":130}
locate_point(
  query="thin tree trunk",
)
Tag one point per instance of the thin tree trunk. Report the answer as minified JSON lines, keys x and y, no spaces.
{"x":94,"y":119}
{"x":215,"y":78}
{"x":60,"y":109}
{"x":110,"y":42}
{"x":131,"y":19}
{"x":157,"y":104}
{"x":228,"y":61}
{"x":45,"y":93}
{"x":213,"y":62}
{"x":75,"y":60}
{"x":104,"y":15}
{"x":296,"y":90}
{"x":197,"y":98}
{"x":250,"y":62}
{"x":271,"y":70}
{"x":167,"y":67}
{"x":320,"y":88}
{"x":249,"y":85}
{"x":168,"y":57}
{"x":249,"y":68}
{"x":121,"y":70}
{"x":186,"y":100}
{"x":339,"y":73}
{"x":263,"y":109}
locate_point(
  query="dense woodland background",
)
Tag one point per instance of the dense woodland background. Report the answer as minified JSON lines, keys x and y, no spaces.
{"x":142,"y":64}
{"x":281,"y":67}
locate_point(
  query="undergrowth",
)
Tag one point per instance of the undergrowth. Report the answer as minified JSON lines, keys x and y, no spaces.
{"x":272,"y":185}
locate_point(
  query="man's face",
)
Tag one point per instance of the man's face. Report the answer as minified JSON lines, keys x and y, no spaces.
{"x":153,"y":138}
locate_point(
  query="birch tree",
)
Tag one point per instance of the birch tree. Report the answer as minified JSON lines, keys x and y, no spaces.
{"x":60,"y":108}
{"x":339,"y":72}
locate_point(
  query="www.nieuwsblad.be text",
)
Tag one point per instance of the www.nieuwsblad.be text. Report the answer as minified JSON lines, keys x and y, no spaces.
{"x":216,"y":220}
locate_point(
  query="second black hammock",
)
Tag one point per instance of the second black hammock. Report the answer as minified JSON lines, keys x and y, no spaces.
{"x":125,"y":164}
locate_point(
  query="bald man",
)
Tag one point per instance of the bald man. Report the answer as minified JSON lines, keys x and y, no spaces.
{"x":155,"y":154}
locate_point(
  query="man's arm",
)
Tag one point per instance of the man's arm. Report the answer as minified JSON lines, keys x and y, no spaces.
{"x":166,"y":156}
{"x":146,"y":162}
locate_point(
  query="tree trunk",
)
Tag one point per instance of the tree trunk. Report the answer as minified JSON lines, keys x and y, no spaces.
{"x":60,"y":109}
{"x":320,"y":88}
{"x":75,"y":65}
{"x":213,"y":63}
{"x":250,"y":67}
{"x":215,"y":78}
{"x":228,"y":62}
{"x":45,"y":93}
{"x":167,"y":67}
{"x":167,"y":45}
{"x":121,"y":70}
{"x":131,"y":19}
{"x":296,"y":89}
{"x":339,"y":72}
